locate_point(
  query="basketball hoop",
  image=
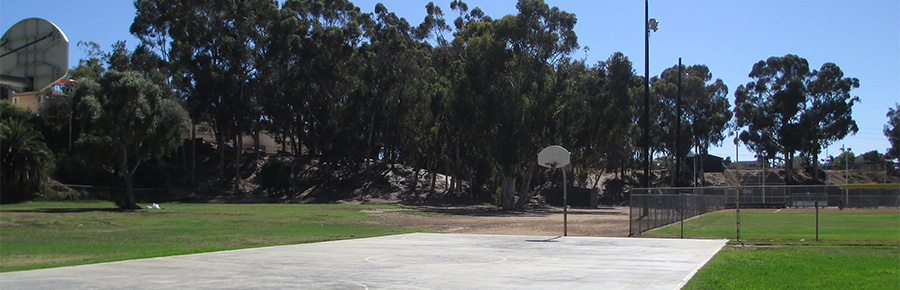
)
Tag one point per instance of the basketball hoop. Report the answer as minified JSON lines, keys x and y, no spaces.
{"x":553,"y":157}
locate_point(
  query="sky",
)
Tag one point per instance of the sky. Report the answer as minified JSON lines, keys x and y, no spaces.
{"x":862,"y":37}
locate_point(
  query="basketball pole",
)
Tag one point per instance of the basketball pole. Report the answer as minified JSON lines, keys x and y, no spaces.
{"x":565,"y":205}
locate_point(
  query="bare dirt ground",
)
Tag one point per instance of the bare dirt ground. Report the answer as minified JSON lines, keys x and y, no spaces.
{"x":544,"y":221}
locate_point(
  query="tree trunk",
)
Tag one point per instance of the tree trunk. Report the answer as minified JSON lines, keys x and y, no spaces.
{"x":369,"y":144}
{"x":525,"y":191}
{"x":433,"y":176}
{"x":415,"y":183}
{"x":702,"y":169}
{"x":458,"y":173}
{"x":789,"y":167}
{"x":220,"y":140}
{"x":508,"y":189}
{"x":815,"y":157}
{"x":127,"y":201}
{"x":599,"y":176}
{"x":238,"y":147}
{"x":193,"y":153}
{"x":471,"y":185}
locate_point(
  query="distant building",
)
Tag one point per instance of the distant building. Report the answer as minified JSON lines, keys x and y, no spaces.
{"x":35,"y":101}
{"x":267,"y":142}
{"x":711,"y":163}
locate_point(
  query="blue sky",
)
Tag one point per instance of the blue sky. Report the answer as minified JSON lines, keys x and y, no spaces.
{"x":862,"y":37}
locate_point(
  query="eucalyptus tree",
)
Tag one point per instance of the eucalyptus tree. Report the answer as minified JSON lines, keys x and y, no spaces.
{"x":508,"y":64}
{"x":211,"y":48}
{"x":324,"y":44}
{"x":892,"y":132}
{"x":618,"y":131}
{"x":786,"y":107}
{"x":827,"y":114}
{"x":706,"y":117}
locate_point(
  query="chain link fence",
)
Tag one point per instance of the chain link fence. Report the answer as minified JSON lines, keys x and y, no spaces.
{"x":795,"y":196}
{"x":656,"y":207}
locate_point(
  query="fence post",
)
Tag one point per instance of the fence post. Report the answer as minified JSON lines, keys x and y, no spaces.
{"x":817,"y":219}
{"x":738,"y":213}
{"x":681,"y":211}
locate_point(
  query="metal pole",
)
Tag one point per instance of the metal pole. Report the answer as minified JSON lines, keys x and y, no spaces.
{"x":817,"y":219}
{"x":738,"y":214}
{"x":846,"y":175}
{"x":678,"y":129}
{"x":646,"y":95}
{"x":565,"y":206}
{"x":682,"y":215}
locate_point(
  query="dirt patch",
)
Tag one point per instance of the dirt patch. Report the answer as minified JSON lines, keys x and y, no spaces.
{"x":546,"y":221}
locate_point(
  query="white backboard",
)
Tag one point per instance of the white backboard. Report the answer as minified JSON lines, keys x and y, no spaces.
{"x":34,"y":53}
{"x":553,"y":157}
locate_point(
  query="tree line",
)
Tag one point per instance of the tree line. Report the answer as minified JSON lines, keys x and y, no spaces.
{"x":460,"y":93}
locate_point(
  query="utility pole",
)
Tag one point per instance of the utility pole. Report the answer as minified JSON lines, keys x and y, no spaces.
{"x":649,"y":24}
{"x":646,"y":94}
{"x":678,"y":129}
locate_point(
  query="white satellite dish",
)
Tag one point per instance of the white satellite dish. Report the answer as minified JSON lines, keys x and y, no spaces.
{"x":34,"y":53}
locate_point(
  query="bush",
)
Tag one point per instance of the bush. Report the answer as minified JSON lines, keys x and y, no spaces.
{"x":275,"y":176}
{"x":26,"y":161}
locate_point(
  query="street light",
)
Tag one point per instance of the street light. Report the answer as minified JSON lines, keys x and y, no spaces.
{"x":649,"y":24}
{"x":846,"y":173}
{"x":678,"y":129}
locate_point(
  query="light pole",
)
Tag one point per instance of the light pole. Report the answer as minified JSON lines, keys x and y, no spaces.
{"x":825,"y":172}
{"x":678,"y":129}
{"x":844,"y":152}
{"x":648,"y":25}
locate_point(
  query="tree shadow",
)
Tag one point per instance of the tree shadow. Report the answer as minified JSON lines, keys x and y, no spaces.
{"x":68,"y":210}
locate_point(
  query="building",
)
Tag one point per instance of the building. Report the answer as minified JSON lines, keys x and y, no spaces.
{"x":267,"y":142}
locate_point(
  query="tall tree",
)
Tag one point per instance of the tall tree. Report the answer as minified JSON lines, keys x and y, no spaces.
{"x":212,"y":48}
{"x":827,"y":114}
{"x":706,"y":111}
{"x":125,"y":118}
{"x":788,"y":108}
{"x":537,"y":38}
{"x":892,"y":132}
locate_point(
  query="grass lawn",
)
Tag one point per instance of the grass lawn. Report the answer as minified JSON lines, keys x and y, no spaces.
{"x":857,"y":250}
{"x":53,"y":234}
{"x":800,"y":267}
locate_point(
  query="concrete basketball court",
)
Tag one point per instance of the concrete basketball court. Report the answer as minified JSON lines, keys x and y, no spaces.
{"x":410,"y":261}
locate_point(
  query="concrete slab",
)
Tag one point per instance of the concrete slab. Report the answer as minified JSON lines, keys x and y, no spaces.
{"x":411,"y":261}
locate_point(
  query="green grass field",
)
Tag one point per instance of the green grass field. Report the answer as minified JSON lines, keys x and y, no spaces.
{"x":53,"y":234}
{"x":857,"y":249}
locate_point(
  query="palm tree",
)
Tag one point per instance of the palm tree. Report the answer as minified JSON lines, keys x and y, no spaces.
{"x":26,"y":160}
